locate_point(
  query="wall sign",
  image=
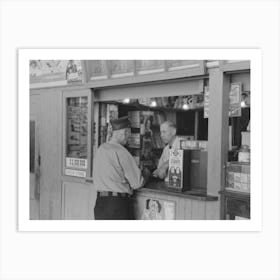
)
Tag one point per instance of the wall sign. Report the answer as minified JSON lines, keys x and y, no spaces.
{"x":76,"y":163}
{"x":75,"y":173}
{"x":55,"y":72}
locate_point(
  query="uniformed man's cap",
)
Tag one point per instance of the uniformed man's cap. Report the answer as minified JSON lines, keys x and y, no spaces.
{"x":120,"y":123}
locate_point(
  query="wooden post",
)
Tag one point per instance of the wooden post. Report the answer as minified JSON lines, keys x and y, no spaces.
{"x":218,"y":130}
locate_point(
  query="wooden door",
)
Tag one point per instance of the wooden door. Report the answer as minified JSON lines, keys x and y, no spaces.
{"x":78,"y":197}
{"x":34,"y":164}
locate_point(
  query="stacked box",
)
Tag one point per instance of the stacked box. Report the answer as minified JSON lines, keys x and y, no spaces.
{"x":238,"y":177}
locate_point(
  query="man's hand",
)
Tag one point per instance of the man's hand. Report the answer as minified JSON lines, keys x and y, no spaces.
{"x":160,"y":173}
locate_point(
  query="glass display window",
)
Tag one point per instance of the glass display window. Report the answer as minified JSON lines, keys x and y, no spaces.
{"x":76,"y":147}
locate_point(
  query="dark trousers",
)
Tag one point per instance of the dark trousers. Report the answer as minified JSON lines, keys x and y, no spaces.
{"x":113,"y":208}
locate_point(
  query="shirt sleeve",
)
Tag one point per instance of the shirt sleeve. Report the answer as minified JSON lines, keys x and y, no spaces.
{"x":164,"y":156}
{"x":132,"y":172}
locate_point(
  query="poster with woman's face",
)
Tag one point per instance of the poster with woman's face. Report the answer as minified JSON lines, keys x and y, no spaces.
{"x":156,"y":209}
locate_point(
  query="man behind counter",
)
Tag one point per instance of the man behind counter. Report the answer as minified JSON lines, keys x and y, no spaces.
{"x":168,"y":134}
{"x":116,"y":175}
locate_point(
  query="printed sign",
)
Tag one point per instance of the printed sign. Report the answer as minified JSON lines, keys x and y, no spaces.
{"x":175,"y":172}
{"x":55,"y":71}
{"x":156,"y":209}
{"x":75,"y":173}
{"x":77,"y":111}
{"x":76,"y":163}
{"x":235,"y":100}
{"x":206,"y":102}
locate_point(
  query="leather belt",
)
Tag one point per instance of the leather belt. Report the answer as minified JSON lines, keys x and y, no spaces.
{"x":114,"y":194}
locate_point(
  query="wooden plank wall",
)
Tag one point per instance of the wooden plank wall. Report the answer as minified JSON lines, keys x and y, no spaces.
{"x":51,"y":153}
{"x":78,"y":201}
{"x":186,"y":209}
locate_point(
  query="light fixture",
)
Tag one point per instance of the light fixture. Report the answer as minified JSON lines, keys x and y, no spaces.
{"x":243,"y":104}
{"x":153,"y":103}
{"x":126,"y":100}
{"x":185,"y":106}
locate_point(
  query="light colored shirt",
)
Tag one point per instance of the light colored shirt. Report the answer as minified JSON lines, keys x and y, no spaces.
{"x":165,"y":153}
{"x":115,"y":169}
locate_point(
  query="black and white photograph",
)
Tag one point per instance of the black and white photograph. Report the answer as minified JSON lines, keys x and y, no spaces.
{"x":176,"y":130}
{"x":139,"y":140}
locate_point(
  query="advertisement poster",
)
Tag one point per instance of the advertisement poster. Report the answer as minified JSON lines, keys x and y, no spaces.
{"x":206,"y":102}
{"x":55,"y":71}
{"x":156,"y":209}
{"x":77,"y":127}
{"x":175,"y":172}
{"x":235,"y":100}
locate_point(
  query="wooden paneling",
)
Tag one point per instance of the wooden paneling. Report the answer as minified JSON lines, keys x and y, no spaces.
{"x":198,"y":210}
{"x":78,"y":201}
{"x":186,"y":209}
{"x":34,"y":202}
{"x":50,"y":150}
{"x":180,"y":209}
{"x":212,"y":210}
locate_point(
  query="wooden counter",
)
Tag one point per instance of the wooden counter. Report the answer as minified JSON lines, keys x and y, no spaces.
{"x":162,"y":187}
{"x":174,"y":204}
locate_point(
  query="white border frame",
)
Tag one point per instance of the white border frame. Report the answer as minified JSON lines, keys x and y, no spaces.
{"x":254,"y":224}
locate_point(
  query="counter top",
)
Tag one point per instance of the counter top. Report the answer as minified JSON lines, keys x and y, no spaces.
{"x":162,"y":187}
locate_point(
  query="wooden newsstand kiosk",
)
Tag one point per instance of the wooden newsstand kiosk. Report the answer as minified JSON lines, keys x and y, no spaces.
{"x":61,"y":175}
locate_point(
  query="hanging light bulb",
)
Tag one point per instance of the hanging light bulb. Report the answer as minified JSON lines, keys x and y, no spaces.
{"x":126,"y":100}
{"x":243,"y":104}
{"x":153,"y":103}
{"x":185,"y":106}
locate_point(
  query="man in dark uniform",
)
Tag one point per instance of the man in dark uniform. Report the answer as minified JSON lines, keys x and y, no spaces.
{"x":115,"y":175}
